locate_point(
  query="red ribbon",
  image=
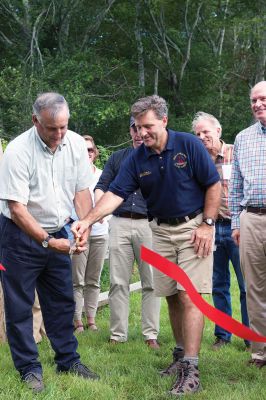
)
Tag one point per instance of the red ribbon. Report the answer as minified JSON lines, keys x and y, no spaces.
{"x":216,"y":316}
{"x":2,"y":268}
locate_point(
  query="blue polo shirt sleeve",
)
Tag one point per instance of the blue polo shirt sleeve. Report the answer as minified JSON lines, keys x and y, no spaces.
{"x":126,"y":182}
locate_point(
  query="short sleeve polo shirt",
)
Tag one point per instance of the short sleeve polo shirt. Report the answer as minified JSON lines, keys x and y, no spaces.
{"x":173,"y":182}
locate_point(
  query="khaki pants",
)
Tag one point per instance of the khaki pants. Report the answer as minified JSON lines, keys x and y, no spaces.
{"x":38,"y":325}
{"x":253,"y":264}
{"x":173,"y":243}
{"x":126,"y":237}
{"x":86,"y":273}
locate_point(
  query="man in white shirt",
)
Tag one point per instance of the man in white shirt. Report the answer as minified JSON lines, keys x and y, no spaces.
{"x":42,"y":172}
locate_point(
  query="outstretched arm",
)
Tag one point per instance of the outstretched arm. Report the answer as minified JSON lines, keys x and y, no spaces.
{"x":105,"y":206}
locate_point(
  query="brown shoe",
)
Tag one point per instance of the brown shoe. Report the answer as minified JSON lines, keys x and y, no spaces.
{"x":257,"y":362}
{"x":219,"y":343}
{"x":152,"y":343}
{"x":188,"y":381}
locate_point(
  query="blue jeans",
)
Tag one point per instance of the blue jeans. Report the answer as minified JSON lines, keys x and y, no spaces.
{"x":29,"y":266}
{"x":226,"y":250}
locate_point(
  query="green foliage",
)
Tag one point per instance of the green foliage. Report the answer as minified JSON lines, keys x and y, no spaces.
{"x":104,"y":154}
{"x":88,"y":51}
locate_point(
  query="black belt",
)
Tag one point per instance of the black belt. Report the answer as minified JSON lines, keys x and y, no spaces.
{"x":222,"y":219}
{"x":131,"y":215}
{"x":256,"y":210}
{"x":179,"y":220}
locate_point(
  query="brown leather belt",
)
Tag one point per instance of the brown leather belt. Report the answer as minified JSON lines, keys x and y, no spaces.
{"x":179,"y":220}
{"x":131,"y":215}
{"x":256,"y":210}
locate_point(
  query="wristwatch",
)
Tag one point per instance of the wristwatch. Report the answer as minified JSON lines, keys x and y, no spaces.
{"x":209,"y":221}
{"x":45,"y":242}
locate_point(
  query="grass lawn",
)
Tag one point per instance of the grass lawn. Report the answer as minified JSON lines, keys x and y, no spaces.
{"x":129,"y":370}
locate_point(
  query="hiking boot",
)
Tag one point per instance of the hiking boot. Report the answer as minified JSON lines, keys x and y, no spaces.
{"x":188,"y":381}
{"x":219,"y":343}
{"x":174,"y":367}
{"x":34,"y":381}
{"x":81,"y":370}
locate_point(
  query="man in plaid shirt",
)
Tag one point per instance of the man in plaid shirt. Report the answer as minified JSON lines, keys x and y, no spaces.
{"x":209,"y":130}
{"x":247,"y":201}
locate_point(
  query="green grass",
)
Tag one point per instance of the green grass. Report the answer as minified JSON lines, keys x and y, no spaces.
{"x":129,"y":371}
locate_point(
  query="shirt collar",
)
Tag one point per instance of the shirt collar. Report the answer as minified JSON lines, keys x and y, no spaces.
{"x":169,"y":144}
{"x":263,"y":128}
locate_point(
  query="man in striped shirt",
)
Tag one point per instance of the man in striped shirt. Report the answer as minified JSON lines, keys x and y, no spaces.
{"x":247,"y":201}
{"x":209,"y":130}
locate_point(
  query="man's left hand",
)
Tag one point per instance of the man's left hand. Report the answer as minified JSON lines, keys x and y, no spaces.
{"x":202,"y":237}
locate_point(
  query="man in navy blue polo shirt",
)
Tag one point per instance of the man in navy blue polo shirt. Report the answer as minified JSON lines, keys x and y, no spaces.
{"x":181,"y":185}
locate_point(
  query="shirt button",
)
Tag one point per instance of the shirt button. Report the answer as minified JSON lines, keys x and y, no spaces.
{"x":133,"y":204}
{"x":160,"y":158}
{"x":161,"y":167}
{"x":135,"y":193}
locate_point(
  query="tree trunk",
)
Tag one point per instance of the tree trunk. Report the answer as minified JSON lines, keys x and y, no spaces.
{"x":141,"y":67}
{"x":156,"y":81}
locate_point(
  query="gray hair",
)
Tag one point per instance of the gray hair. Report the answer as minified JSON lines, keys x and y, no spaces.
{"x":202,"y":116}
{"x":154,"y":103}
{"x":52,"y":101}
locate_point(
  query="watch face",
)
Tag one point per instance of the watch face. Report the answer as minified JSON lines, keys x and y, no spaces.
{"x":209,"y":221}
{"x":45,"y":243}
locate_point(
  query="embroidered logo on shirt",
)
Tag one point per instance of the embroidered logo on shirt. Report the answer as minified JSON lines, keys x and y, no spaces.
{"x":180,"y":160}
{"x":144,"y":173}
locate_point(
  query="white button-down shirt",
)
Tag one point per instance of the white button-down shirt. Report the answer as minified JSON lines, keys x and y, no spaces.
{"x":45,"y":182}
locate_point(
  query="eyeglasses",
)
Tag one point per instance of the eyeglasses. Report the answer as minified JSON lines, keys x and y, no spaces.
{"x":90,"y":150}
{"x":134,"y":128}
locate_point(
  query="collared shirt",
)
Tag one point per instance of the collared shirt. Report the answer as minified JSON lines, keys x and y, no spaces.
{"x":223,"y":164}
{"x":248,"y":178}
{"x":173,"y":182}
{"x":45,"y":182}
{"x":134,"y":202}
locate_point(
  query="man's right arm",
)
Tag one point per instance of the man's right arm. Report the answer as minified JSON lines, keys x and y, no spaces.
{"x":25,"y":221}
